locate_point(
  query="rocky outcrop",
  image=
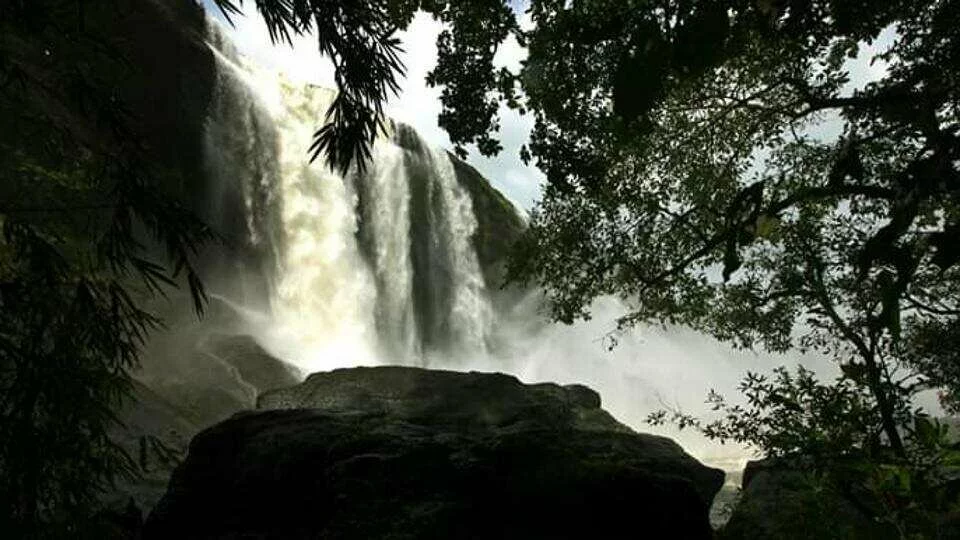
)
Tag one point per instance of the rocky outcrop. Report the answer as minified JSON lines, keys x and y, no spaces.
{"x":192,"y":377}
{"x":223,"y":375}
{"x":252,"y":364}
{"x":168,"y":91}
{"x":155,"y":432}
{"x":397,"y":452}
{"x":448,"y":399}
{"x":212,"y":376}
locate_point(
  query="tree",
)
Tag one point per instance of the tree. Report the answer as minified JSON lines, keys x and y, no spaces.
{"x":686,"y":174}
{"x":87,"y":236}
{"x":359,"y":38}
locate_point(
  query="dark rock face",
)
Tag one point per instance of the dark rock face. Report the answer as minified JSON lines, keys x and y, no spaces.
{"x":211,"y":377}
{"x":204,"y":383}
{"x":170,"y":90}
{"x":253,"y":365}
{"x":144,"y":416}
{"x":409,"y":453}
{"x":191,"y":378}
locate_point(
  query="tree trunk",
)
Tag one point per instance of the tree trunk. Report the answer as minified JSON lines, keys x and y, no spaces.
{"x":887,"y":420}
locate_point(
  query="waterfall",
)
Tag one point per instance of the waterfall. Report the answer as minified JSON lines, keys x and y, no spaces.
{"x":325,"y":294}
{"x":368,"y":267}
{"x":381,"y":267}
{"x":453,"y":225}
{"x":385,"y":235}
{"x":241,"y":146}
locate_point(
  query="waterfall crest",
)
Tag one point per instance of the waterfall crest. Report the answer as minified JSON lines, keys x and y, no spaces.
{"x":368,"y":267}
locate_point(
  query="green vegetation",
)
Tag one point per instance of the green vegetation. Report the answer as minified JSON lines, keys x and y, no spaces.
{"x":711,"y":164}
{"x":837,"y":478}
{"x":700,"y":194}
{"x":83,"y":219}
{"x":689,"y":170}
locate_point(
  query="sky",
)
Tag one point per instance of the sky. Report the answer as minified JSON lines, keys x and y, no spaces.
{"x":416,"y":104}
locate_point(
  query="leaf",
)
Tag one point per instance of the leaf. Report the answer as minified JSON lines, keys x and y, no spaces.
{"x":903,"y":480}
{"x":701,"y":38}
{"x":731,"y":258}
{"x":848,"y":166}
{"x":856,"y":372}
{"x":927,"y":432}
{"x":767,"y":226}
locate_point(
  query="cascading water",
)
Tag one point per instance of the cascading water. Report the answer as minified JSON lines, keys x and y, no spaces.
{"x":381,"y":267}
{"x":453,"y":282}
{"x":469,"y":322}
{"x":325,"y":294}
{"x":386,"y":236}
{"x":241,"y":146}
{"x":368,"y":267}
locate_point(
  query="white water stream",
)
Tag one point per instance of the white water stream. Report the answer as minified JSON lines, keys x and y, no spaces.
{"x":381,"y":268}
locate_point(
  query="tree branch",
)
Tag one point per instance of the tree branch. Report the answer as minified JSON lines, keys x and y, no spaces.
{"x":914,"y":302}
{"x":823,"y":192}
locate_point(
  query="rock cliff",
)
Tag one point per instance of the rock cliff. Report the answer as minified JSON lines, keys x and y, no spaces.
{"x":397,"y":452}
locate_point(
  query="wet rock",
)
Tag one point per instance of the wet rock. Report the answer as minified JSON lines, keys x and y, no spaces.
{"x":397,"y":452}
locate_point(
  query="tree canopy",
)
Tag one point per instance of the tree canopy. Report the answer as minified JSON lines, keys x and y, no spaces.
{"x":687,"y":176}
{"x":88,"y":236}
{"x":709,"y":162}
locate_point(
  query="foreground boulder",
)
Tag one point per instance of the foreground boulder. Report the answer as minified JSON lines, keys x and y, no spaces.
{"x":397,"y":452}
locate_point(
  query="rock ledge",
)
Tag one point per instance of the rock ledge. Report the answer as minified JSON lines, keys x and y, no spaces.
{"x":395,"y":452}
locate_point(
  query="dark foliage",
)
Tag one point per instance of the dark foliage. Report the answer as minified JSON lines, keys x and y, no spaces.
{"x":691,"y":174}
{"x":87,"y":232}
{"x":933,"y":347}
{"x":358,"y":38}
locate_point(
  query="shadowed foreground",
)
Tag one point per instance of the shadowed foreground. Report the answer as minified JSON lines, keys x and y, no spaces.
{"x":409,"y":453}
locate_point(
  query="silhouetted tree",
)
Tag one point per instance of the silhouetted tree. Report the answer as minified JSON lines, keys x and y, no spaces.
{"x":359,"y":38}
{"x":82,"y":214}
{"x":688,"y":176}
{"x":686,"y":173}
